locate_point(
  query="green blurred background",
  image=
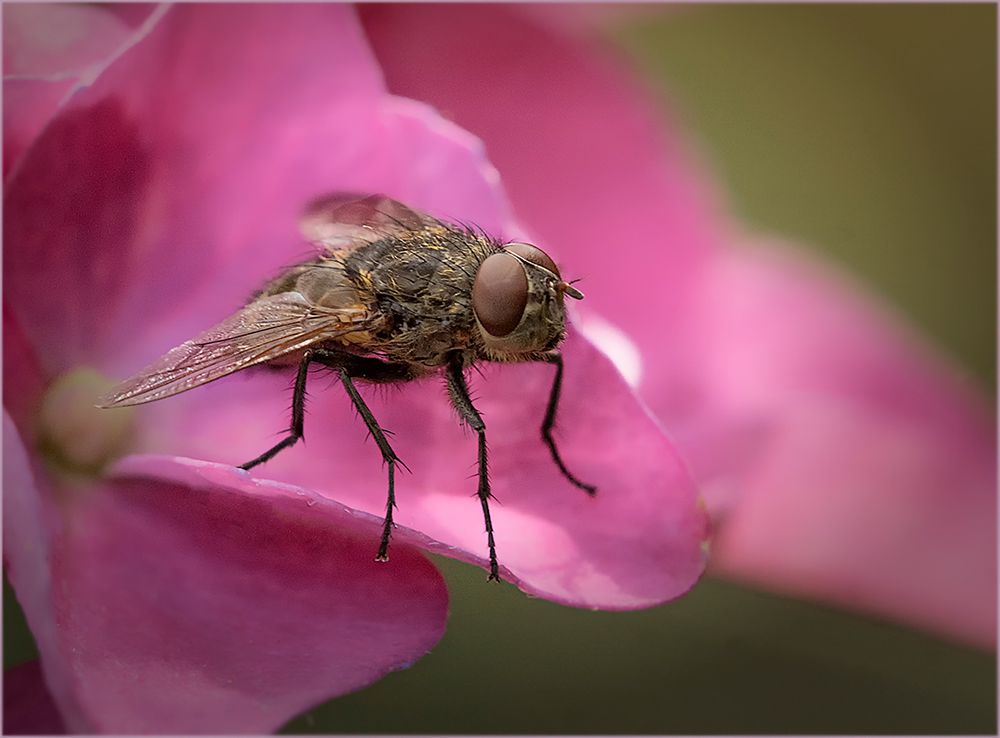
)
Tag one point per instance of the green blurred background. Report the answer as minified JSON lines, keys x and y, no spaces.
{"x":867,"y":133}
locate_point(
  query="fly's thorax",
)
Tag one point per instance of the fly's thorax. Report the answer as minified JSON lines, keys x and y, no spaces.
{"x":517,"y":301}
{"x":421,"y":282}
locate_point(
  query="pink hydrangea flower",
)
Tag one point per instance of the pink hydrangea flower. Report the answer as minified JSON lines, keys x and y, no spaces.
{"x":156,"y":162}
{"x":841,"y":457}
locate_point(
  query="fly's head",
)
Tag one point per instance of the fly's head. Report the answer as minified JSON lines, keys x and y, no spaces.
{"x":517,"y":297}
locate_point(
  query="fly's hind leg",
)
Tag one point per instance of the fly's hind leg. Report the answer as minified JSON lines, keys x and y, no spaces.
{"x":458,"y":390}
{"x":373,"y":370}
{"x":550,"y":420}
{"x":298,"y":414}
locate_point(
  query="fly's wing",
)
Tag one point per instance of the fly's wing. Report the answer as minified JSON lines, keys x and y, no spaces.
{"x":265,"y":329}
{"x":342,"y":222}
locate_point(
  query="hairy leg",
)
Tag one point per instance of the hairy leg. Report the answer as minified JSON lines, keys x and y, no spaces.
{"x":458,"y":390}
{"x":549,"y":422}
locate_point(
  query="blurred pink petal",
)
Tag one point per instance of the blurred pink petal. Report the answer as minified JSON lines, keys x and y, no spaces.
{"x":158,"y":189}
{"x":59,"y":40}
{"x":23,"y":379}
{"x":881,"y":474}
{"x":28,"y":539}
{"x":48,"y":51}
{"x":28,"y":106}
{"x":191,"y":598}
{"x":807,"y":414}
{"x":559,"y":174}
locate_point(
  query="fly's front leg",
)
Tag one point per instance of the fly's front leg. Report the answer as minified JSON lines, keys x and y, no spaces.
{"x":298,"y":415}
{"x":458,"y":390}
{"x":550,"y":420}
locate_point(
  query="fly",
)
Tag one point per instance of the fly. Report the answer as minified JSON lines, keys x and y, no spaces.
{"x":393,"y":295}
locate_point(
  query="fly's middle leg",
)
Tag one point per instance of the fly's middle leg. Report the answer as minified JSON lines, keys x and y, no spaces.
{"x":349,"y":366}
{"x":458,"y":390}
{"x":388,"y":455}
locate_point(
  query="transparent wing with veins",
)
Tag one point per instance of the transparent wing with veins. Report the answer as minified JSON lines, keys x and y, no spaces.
{"x":264,"y":330}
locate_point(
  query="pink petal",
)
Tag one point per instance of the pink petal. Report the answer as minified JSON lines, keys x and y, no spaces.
{"x":190,"y":598}
{"x":23,"y":379}
{"x":129,"y":203}
{"x":29,"y":104}
{"x":879,"y":488}
{"x":27,"y":541}
{"x":639,"y":542}
{"x":871,"y":513}
{"x":59,"y":40}
{"x":48,"y":50}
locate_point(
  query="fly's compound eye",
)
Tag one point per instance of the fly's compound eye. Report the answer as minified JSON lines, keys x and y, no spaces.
{"x":500,"y":294}
{"x":533,"y":254}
